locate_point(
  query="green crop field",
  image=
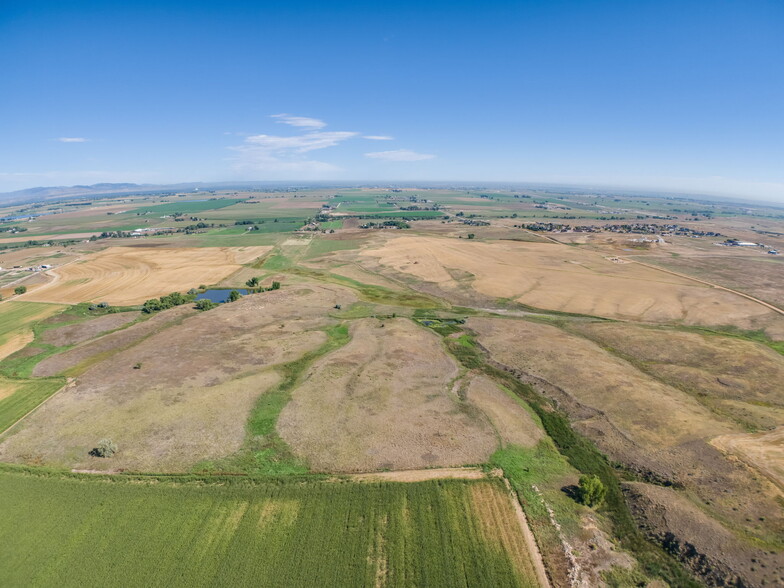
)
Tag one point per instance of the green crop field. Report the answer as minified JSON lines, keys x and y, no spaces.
{"x":62,"y":530}
{"x":188,"y":207}
{"x":25,"y":396}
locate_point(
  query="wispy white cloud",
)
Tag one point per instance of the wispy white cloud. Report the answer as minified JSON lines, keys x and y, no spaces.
{"x":303,"y":122}
{"x":275,"y":153}
{"x":378,"y":137}
{"x":399,"y":155}
{"x":72,"y":139}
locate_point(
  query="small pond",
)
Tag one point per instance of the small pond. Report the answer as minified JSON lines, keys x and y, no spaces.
{"x":219,"y":295}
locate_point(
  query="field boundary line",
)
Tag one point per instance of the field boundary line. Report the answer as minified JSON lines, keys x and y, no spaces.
{"x":687,"y":277}
{"x":711,"y":284}
{"x":36,"y":407}
{"x":413,"y":476}
{"x":533,"y":548}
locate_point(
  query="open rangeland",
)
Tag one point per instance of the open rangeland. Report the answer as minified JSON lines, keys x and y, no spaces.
{"x":131,"y":275}
{"x":384,"y":401}
{"x":180,"y":393}
{"x":86,"y":330}
{"x":241,"y":533}
{"x":730,"y":375}
{"x":16,"y":321}
{"x":558,"y":277}
{"x":763,"y":451}
{"x":512,"y":422}
{"x":658,"y":430}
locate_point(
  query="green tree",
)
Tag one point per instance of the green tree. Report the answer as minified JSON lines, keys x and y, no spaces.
{"x":471,"y":235}
{"x":252,"y":283}
{"x":275,"y":286}
{"x":234,"y":296}
{"x":205,"y":304}
{"x":20,"y":290}
{"x":591,"y":491}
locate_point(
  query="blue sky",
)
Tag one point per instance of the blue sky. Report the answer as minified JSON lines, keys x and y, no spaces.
{"x":665,"y":95}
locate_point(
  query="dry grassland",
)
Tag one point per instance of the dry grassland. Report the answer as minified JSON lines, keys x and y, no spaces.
{"x":702,"y":542}
{"x":559,"y":277}
{"x":81,"y":332}
{"x":198,"y":380}
{"x":652,"y":413}
{"x":383,"y":402}
{"x":511,"y":421}
{"x":738,"y":377}
{"x":653,"y":428}
{"x":131,"y":275}
{"x":763,"y":451}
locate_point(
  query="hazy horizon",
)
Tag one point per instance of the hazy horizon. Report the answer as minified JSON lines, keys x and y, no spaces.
{"x":655,"y":96}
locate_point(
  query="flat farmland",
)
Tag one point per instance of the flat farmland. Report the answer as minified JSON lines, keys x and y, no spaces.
{"x":74,"y":531}
{"x":131,"y":275}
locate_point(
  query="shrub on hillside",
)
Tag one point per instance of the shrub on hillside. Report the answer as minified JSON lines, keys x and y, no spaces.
{"x":105,"y":448}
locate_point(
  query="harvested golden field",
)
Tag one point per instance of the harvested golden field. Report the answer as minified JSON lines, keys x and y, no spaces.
{"x":131,"y":275}
{"x":763,"y":451}
{"x":16,"y":323}
{"x":558,"y":277}
{"x":198,"y":377}
{"x":384,"y":401}
{"x":511,"y":421}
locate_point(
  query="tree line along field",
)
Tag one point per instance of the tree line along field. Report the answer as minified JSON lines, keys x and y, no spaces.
{"x":111,"y":531}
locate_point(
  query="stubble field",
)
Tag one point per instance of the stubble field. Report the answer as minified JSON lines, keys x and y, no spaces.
{"x":131,"y":275}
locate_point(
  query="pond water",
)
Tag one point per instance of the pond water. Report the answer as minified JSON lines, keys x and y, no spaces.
{"x":219,"y":295}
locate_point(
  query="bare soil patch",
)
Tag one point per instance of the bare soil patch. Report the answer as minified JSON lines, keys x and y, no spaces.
{"x":421,"y":475}
{"x":81,"y":332}
{"x":383,"y":402}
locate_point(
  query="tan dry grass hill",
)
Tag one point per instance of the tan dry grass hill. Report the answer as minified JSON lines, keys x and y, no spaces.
{"x":131,"y":275}
{"x":384,"y":401}
{"x":763,"y":451}
{"x":198,"y":379}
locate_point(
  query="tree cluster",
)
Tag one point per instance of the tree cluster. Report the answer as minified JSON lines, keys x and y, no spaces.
{"x":165,"y":302}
